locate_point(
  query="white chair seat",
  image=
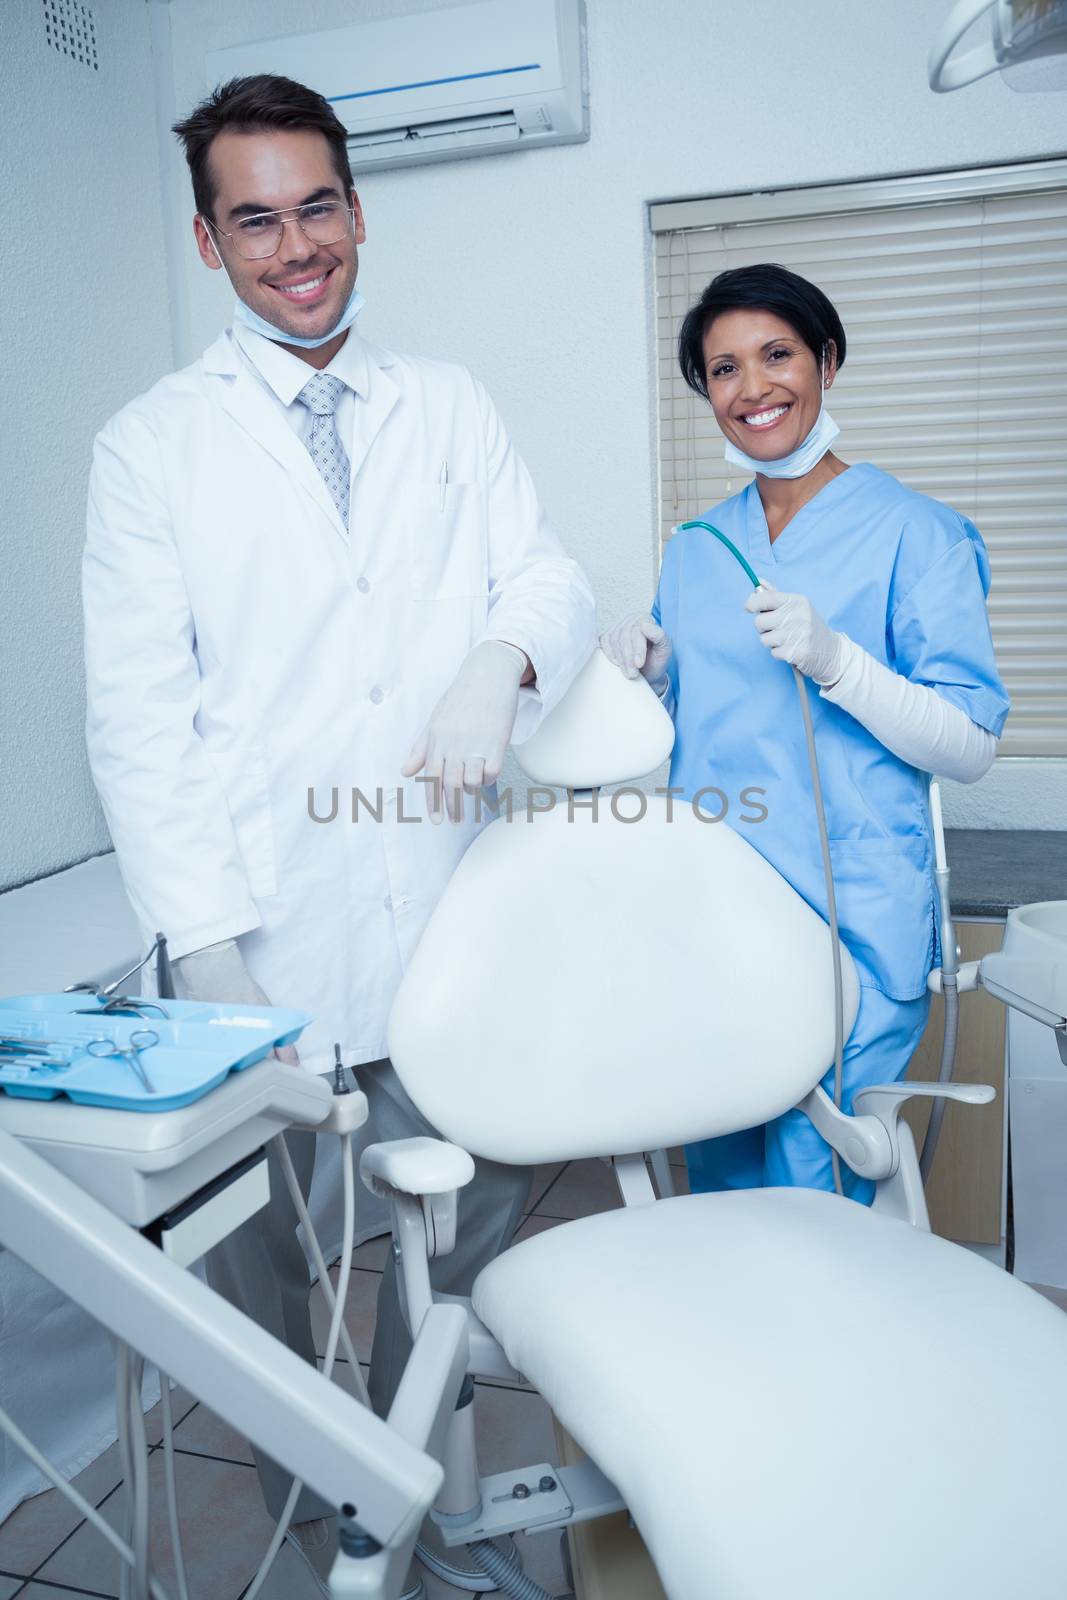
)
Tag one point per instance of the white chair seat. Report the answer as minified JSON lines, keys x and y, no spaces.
{"x":758,"y":1373}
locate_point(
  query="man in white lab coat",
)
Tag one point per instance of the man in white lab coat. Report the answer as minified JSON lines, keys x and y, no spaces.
{"x":312,"y":566}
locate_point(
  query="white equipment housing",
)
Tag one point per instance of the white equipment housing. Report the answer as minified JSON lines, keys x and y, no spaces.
{"x":1025,"y":40}
{"x":465,"y":81}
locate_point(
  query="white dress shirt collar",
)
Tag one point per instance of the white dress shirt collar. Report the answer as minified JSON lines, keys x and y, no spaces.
{"x":287,"y":374}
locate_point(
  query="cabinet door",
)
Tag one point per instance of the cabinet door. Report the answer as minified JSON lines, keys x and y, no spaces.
{"x":965,"y":1184}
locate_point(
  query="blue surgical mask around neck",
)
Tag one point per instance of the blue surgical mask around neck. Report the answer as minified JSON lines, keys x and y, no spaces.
{"x":251,"y":319}
{"x":808,"y":454}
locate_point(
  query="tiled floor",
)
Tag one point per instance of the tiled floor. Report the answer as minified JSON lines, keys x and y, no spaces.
{"x":47,"y":1551}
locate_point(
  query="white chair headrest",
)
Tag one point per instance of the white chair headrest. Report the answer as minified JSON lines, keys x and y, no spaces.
{"x":606,"y":729}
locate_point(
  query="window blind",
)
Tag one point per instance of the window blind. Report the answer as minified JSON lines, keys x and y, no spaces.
{"x":955,"y":381}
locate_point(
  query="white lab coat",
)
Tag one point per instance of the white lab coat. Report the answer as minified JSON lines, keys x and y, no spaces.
{"x":243,"y":648}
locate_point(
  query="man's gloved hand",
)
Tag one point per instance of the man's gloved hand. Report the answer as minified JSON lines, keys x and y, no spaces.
{"x":218,"y":973}
{"x":793,"y":631}
{"x":462,"y":746}
{"x":639,"y":645}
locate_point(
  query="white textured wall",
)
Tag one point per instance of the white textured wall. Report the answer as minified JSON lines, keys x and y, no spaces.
{"x":83,"y":327}
{"x":535,"y":270}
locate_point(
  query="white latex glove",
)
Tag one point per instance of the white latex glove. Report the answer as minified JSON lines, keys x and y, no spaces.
{"x":462,"y":746}
{"x":639,"y":645}
{"x":793,"y":631}
{"x":218,"y":973}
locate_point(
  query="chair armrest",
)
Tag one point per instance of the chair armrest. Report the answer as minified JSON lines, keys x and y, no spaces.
{"x":415,"y":1166}
{"x":427,"y":1171}
{"x":884,"y":1100}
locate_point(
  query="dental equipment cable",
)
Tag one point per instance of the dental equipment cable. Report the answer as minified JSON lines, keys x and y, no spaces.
{"x":77,"y":1500}
{"x":337,"y":1332}
{"x":170,"y":1485}
{"x":949,"y":982}
{"x":824,"y":845}
{"x":139,"y":1575}
{"x":508,"y":1578}
{"x":312,"y":1239}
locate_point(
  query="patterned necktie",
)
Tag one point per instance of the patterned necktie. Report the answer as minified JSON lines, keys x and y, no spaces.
{"x":320,"y":394}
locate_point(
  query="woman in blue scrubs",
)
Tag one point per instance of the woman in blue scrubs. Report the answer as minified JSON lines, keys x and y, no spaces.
{"x":877,"y":594}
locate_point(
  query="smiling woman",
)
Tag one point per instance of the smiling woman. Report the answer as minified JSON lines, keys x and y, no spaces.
{"x":763,"y":345}
{"x":875,"y":593}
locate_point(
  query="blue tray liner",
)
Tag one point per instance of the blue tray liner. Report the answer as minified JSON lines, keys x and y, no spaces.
{"x":200,"y":1044}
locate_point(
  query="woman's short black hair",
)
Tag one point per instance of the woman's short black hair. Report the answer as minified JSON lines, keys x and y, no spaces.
{"x":764,"y":287}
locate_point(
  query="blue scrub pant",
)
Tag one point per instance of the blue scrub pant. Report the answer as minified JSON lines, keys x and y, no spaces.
{"x":788,"y":1153}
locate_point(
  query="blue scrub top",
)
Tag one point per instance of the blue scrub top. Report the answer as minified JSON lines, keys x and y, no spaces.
{"x":904,"y":577}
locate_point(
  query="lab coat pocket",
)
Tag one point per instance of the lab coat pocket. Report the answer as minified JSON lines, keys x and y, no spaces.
{"x":446,"y":544}
{"x":243,"y":776}
{"x":884,"y":897}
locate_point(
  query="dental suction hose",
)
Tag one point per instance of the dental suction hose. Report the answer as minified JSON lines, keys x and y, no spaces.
{"x":824,"y":845}
{"x":509,"y":1578}
{"x":950,"y":966}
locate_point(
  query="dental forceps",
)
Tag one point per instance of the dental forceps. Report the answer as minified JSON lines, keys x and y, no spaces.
{"x":30,"y":1047}
{"x":115,"y":1002}
{"x":140,"y":1039}
{"x":118,"y":1005}
{"x":34,"y":1054}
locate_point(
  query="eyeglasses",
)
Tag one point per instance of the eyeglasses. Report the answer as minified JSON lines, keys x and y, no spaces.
{"x":257,"y":237}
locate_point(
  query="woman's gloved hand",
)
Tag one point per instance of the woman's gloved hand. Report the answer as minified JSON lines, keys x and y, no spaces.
{"x":639,"y":645}
{"x":793,"y":631}
{"x":218,"y":973}
{"x":463,"y":744}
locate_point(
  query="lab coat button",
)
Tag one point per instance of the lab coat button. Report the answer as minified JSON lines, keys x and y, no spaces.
{"x":362,"y":585}
{"x":377,"y":694}
{"x":388,"y":902}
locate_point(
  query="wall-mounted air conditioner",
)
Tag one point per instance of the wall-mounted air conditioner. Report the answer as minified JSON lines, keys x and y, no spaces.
{"x":463,"y":81}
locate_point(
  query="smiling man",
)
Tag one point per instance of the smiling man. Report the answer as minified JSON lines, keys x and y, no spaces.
{"x":311,"y":563}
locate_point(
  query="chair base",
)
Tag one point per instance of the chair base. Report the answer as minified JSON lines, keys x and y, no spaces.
{"x":608,"y":1558}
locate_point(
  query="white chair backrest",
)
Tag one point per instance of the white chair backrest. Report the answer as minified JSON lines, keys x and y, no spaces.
{"x":591,"y":986}
{"x":607,"y":728}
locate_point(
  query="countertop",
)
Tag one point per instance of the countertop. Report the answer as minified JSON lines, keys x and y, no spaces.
{"x":994,"y":869}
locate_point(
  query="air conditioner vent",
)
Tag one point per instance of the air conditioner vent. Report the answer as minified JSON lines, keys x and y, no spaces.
{"x":483,"y":78}
{"x":70,"y":30}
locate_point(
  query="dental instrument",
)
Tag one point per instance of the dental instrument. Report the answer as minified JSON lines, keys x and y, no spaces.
{"x":109,"y":992}
{"x":824,"y":848}
{"x":140,"y":1039}
{"x":124,"y":1005}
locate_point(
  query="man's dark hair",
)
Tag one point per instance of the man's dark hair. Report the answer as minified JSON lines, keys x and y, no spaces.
{"x":764,"y":287}
{"x":249,"y":105}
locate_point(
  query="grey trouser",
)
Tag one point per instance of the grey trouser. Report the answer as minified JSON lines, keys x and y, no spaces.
{"x":261,"y":1268}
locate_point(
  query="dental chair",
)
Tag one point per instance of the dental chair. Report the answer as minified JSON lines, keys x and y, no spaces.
{"x":792,"y":1395}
